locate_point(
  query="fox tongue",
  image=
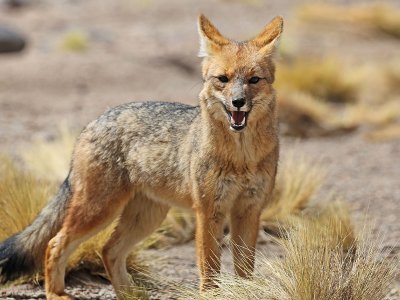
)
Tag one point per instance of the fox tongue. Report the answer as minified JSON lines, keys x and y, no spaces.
{"x":237,"y":117}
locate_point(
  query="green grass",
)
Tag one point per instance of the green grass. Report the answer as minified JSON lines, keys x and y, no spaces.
{"x":75,"y":41}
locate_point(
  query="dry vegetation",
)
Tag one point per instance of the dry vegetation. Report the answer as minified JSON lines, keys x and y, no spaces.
{"x":326,"y":80}
{"x":298,"y":180}
{"x":381,"y":18}
{"x":389,"y":132}
{"x":22,"y":197}
{"x":321,"y":96}
{"x":75,"y":41}
{"x":323,"y":259}
{"x":311,"y":95}
{"x":50,"y":159}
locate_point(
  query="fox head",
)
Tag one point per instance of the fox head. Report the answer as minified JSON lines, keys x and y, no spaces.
{"x":238,"y":76}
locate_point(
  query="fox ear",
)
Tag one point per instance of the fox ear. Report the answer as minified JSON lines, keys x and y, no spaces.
{"x":211,"y":41}
{"x":268,"y":39}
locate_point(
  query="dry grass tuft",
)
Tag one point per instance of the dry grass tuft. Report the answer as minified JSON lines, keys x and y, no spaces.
{"x":51,"y":159}
{"x":392,"y":77}
{"x":310,"y":105}
{"x":323,"y":259}
{"x":297,"y":182}
{"x":22,"y":197}
{"x":378,"y":17}
{"x":307,"y":105}
{"x":304,"y":116}
{"x":386,"y":133}
{"x":324,"y":79}
{"x":380,"y":114}
{"x":178,"y":228}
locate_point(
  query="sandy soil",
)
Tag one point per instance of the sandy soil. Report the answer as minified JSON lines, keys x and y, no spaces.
{"x":144,"y":50}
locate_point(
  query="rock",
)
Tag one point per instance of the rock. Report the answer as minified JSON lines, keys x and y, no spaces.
{"x":11,"y":40}
{"x":17,"y":3}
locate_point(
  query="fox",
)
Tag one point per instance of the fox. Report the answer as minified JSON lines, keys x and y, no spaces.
{"x":138,"y":159}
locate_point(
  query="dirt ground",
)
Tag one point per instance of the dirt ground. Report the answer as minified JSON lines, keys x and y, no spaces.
{"x":145,"y":50}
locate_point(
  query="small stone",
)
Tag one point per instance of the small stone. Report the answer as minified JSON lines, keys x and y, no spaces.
{"x":11,"y":40}
{"x":17,"y":3}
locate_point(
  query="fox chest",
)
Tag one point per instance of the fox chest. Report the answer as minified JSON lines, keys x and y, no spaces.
{"x":230,"y":187}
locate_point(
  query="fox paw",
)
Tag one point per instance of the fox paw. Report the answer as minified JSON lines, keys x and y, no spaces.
{"x":63,"y":296}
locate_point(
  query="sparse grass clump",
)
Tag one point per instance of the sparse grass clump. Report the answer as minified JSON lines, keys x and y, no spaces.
{"x":323,"y":259}
{"x":387,"y":133}
{"x":22,"y":197}
{"x":50,"y":159}
{"x":312,"y":93}
{"x":324,"y":79}
{"x":379,"y":114}
{"x":177,"y":228}
{"x":392,"y":76}
{"x":303,"y":115}
{"x":297,"y":182}
{"x":324,"y":97}
{"x":307,"y":108}
{"x":378,"y":17}
{"x":75,"y":41}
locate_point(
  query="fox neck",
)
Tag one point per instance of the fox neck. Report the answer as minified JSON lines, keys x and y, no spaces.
{"x":244,"y":148}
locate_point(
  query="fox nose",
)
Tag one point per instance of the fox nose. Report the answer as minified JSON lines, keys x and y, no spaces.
{"x":238,"y":102}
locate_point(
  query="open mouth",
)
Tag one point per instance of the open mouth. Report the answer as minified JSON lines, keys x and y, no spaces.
{"x":237,"y":119}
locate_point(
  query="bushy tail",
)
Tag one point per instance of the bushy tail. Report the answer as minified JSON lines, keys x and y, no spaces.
{"x":23,"y":253}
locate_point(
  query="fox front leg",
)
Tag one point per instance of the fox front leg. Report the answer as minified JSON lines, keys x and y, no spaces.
{"x":244,"y":232}
{"x":245,"y":221}
{"x":209,"y":233}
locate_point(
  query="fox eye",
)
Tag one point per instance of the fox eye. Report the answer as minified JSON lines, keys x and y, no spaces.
{"x":223,"y":78}
{"x":254,"y":79}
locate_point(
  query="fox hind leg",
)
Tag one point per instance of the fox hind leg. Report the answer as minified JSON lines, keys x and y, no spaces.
{"x":140,"y":218}
{"x":83,"y":220}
